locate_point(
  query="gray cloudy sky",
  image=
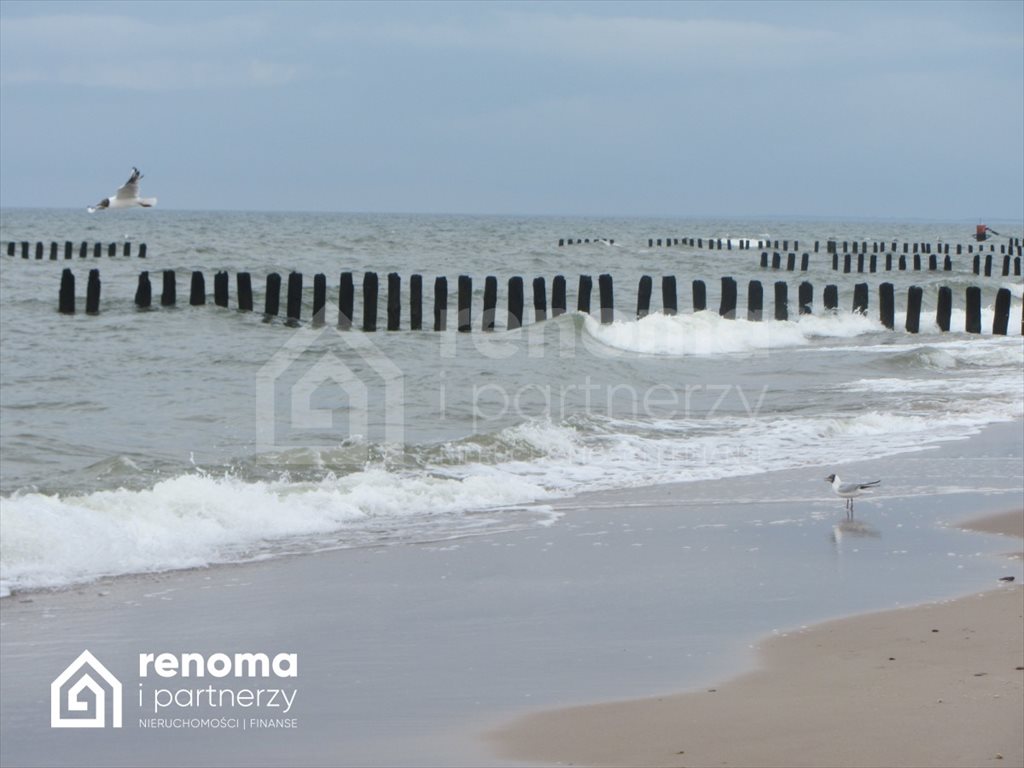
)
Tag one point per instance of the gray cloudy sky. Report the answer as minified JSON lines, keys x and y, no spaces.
{"x":895,"y":110}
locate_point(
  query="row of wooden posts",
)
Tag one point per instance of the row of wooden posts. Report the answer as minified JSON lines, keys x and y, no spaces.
{"x":84,"y":248}
{"x":1009,"y":263}
{"x":516,"y":292}
{"x":1013,"y":246}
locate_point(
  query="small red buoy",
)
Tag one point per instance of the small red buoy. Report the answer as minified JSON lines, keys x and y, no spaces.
{"x":981,"y":233}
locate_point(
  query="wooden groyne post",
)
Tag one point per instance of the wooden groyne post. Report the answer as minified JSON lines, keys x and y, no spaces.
{"x":346,"y":300}
{"x":394,"y":301}
{"x":66,"y":297}
{"x":371,"y":291}
{"x":144,"y":291}
{"x":92,"y":293}
{"x":272,"y":300}
{"x":607,"y":296}
{"x":515,"y":303}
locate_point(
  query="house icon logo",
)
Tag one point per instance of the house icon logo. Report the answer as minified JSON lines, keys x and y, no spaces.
{"x":81,"y":695}
{"x":324,"y":386}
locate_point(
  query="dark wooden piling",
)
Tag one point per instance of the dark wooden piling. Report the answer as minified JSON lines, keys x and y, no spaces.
{"x":860,"y":262}
{"x":643,"y":296}
{"x":700,"y":296}
{"x":319,"y":299}
{"x":917,"y":262}
{"x":243,"y":287}
{"x":144,"y":292}
{"x":53,"y":251}
{"x":835,"y":260}
{"x":92,"y":293}
{"x":887,"y":305}
{"x":933,"y":262}
{"x":988,"y":265}
{"x":873,"y":263}
{"x":558,"y":300}
{"x":903,"y":262}
{"x":976,"y":264}
{"x":83,"y":250}
{"x":66,"y":297}
{"x":669,"y":297}
{"x":394,"y":301}
{"x":371,"y":290}
{"x":127,"y":249}
{"x":888,"y":262}
{"x":169,"y":295}
{"x":69,"y":250}
{"x":293,"y":305}
{"x":197,"y":290}
{"x":465,"y":304}
{"x":416,"y":302}
{"x":586,"y":287}
{"x":727,"y":306}
{"x":776,"y":260}
{"x":846,"y":263}
{"x":914,"y":294}
{"x":112,"y":249}
{"x":831,"y":297}
{"x":490,"y":302}
{"x":944,"y":308}
{"x":39,"y":251}
{"x":346,"y":300}
{"x":607,"y":296}
{"x":10,"y":248}
{"x":973,"y":322}
{"x":1001,"y":319}
{"x":805,"y":262}
{"x":764,"y":259}
{"x":947,"y":264}
{"x":781,"y":300}
{"x":24,"y":249}
{"x":540,"y":299}
{"x":1006,"y":266}
{"x":220,"y":289}
{"x":272,"y":300}
{"x":860,"y":298}
{"x":805,"y":296}
{"x":791,"y":262}
{"x":1016,"y":266}
{"x":440,"y":303}
{"x":515,"y":303}
{"x":97,"y":250}
{"x":142,"y":251}
{"x":755,"y":301}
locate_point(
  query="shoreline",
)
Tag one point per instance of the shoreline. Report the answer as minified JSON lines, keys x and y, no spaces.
{"x":408,"y":653}
{"x":888,"y":688}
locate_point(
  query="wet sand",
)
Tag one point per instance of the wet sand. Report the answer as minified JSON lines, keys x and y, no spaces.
{"x":409,"y":653}
{"x":935,"y":685}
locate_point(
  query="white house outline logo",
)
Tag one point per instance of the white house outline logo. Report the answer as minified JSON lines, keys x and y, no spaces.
{"x":330,"y":368}
{"x":77,"y":678}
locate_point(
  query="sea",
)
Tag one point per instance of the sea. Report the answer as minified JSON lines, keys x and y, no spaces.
{"x":136,"y":441}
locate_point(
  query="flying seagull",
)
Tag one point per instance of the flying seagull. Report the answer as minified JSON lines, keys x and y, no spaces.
{"x":126,"y":197}
{"x":849,"y":491}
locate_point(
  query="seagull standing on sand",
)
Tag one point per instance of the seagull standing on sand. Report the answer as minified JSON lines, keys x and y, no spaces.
{"x":126,"y":197}
{"x":849,"y":491}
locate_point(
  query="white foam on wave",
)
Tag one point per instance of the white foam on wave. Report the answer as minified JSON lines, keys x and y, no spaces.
{"x":195,"y":520}
{"x":707,"y":333}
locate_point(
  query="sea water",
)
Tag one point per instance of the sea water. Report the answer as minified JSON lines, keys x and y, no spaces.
{"x":139,"y":441}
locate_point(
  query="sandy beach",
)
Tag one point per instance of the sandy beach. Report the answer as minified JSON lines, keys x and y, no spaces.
{"x":935,"y":685}
{"x":411,"y":654}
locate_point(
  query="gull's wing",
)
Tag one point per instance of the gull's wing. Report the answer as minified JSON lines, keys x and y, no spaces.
{"x":130,"y":190}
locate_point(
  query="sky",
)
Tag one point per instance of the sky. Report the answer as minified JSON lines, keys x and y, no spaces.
{"x":818,"y":109}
